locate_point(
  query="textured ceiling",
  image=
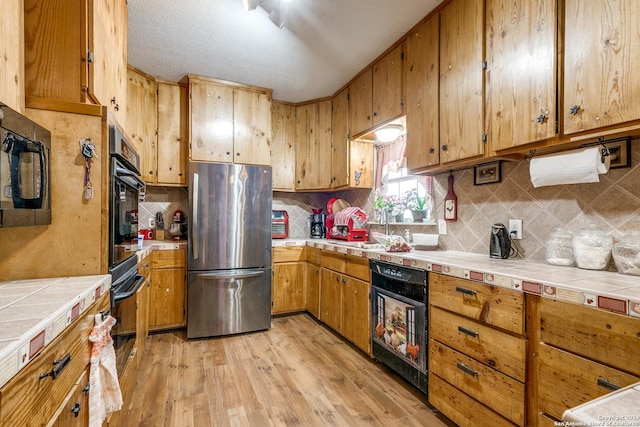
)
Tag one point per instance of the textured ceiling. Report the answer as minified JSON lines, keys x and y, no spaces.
{"x":323,"y":45}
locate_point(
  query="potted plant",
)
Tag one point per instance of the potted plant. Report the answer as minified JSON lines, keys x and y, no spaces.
{"x":393,"y":204}
{"x":417,"y":205}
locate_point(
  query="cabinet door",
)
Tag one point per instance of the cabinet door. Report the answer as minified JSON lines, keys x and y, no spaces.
{"x":602,"y":54}
{"x":283,"y":143}
{"x":361,"y":103}
{"x":251,"y":127}
{"x":313,"y":148}
{"x":388,"y":86}
{"x":12,"y":52}
{"x":75,"y":412}
{"x":331,"y":299}
{"x":167,"y":298}
{"x":172,"y":152}
{"x":356,"y":313}
{"x":360,"y":164}
{"x":142,"y":317}
{"x":422,"y":95}
{"x":108,"y":75}
{"x":141,"y":121}
{"x":211,"y":122}
{"x":313,"y":290}
{"x":521,"y":72}
{"x":461,"y":91}
{"x":340,"y":140}
{"x":288,"y":290}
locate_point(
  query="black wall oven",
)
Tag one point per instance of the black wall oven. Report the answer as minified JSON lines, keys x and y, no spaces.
{"x":399,"y":334}
{"x":126,"y":190}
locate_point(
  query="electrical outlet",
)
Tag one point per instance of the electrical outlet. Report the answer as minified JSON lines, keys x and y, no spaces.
{"x":442,"y":227}
{"x":152,"y":223}
{"x":515,"y":229}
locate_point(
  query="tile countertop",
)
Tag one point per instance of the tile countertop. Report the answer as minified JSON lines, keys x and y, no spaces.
{"x":608,"y":290}
{"x":34,"y":312}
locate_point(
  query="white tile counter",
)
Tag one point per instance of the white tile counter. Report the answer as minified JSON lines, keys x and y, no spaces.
{"x":618,"y":408}
{"x":612,"y":291}
{"x":34,"y":312}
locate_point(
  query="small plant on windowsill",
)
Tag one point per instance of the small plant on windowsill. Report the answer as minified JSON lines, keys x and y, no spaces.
{"x":393,"y":204}
{"x":417,"y":205}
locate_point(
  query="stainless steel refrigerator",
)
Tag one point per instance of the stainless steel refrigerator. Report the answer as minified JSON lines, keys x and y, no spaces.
{"x":229,"y":263}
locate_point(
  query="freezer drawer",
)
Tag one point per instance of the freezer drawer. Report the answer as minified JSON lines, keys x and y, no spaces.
{"x":225,"y":302}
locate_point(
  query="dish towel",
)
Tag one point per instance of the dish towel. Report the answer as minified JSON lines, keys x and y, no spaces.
{"x":104,"y":395}
{"x":355,"y":213}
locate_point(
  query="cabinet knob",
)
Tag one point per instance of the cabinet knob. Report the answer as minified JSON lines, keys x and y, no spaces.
{"x":337,"y":279}
{"x":542,"y":118}
{"x":375,"y":114}
{"x":368,"y":117}
{"x":444,"y":147}
{"x":431,"y":150}
{"x":76,"y":409}
{"x":574,"y":110}
{"x":343,"y":280}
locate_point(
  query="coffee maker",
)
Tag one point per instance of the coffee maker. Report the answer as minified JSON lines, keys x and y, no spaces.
{"x":317,"y":223}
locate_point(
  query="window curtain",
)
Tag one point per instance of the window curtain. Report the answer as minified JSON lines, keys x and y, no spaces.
{"x":390,"y":157}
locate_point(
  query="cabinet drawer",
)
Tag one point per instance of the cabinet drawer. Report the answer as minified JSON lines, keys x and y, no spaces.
{"x":460,"y":408}
{"x":353,"y":266}
{"x":289,"y":254}
{"x":29,"y":400}
{"x":566,"y":380}
{"x":500,"y":392}
{"x":313,"y":255}
{"x":496,"y":306}
{"x":494,"y":348}
{"x":169,"y":258}
{"x":611,"y":338}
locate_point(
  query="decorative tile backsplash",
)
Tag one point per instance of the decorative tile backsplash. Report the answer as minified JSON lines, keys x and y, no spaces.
{"x":613,"y":204}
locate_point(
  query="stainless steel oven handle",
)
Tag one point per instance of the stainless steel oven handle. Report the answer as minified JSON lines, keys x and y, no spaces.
{"x":126,"y":172}
{"x":230,"y":275}
{"x":124,"y":295}
{"x":195,"y":229}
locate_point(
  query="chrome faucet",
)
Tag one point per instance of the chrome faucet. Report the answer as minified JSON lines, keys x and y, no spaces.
{"x":384,"y":220}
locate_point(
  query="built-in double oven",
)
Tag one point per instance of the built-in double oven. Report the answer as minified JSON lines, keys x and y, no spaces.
{"x":126,"y":190}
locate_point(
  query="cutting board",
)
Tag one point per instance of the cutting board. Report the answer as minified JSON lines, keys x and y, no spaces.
{"x":450,"y":202}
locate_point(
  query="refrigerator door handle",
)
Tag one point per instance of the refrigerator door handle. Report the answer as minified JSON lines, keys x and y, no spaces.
{"x":230,"y":275}
{"x":194,"y":220}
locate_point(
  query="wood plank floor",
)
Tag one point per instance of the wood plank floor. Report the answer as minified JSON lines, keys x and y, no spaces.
{"x":298,"y":373}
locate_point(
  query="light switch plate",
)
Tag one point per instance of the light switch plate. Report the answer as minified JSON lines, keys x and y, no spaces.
{"x":442,"y":227}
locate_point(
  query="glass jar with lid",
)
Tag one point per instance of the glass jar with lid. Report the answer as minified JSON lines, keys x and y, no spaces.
{"x":560,"y":248}
{"x":626,"y":254}
{"x":592,"y":248}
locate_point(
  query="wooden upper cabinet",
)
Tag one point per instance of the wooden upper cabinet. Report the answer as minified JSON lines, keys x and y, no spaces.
{"x":283,"y":142}
{"x":251,"y":127}
{"x":313,"y":146}
{"x":461,"y":82}
{"x":229,"y":122}
{"x":601,"y":55}
{"x":360,"y":103}
{"x":211,"y":121}
{"x":141,"y":121}
{"x":11,"y":52}
{"x":422,"y":95}
{"x":76,"y":51}
{"x":340,"y":140}
{"x":521,"y":72}
{"x":172,"y":151}
{"x":388,"y":86}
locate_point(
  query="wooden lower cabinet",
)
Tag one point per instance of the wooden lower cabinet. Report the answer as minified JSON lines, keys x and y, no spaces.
{"x":74,"y":412}
{"x":28,"y":399}
{"x":288,"y":287}
{"x":167,"y":291}
{"x":345,"y":300}
{"x":477,"y":370}
{"x":313,"y":282}
{"x":581,"y":353}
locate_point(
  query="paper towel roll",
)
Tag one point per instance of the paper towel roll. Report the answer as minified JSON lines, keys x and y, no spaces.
{"x":570,"y":167}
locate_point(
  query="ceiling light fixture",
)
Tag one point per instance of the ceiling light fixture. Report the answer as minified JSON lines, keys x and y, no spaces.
{"x":249,"y":4}
{"x":388,"y":133}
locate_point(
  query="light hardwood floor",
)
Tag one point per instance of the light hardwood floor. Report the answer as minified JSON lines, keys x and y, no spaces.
{"x":299,"y":373}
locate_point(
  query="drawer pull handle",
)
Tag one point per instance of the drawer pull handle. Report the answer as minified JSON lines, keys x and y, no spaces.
{"x":469,"y":332}
{"x":86,"y":388}
{"x":76,"y":410}
{"x":467,"y":369}
{"x":59,"y":365}
{"x":466,"y":291}
{"x":607,"y":385}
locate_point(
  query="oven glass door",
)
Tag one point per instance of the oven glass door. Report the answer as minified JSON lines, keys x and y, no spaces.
{"x":124,"y":216}
{"x":399,"y":326}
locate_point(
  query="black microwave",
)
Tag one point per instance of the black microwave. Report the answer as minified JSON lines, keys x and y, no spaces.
{"x":25,"y":148}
